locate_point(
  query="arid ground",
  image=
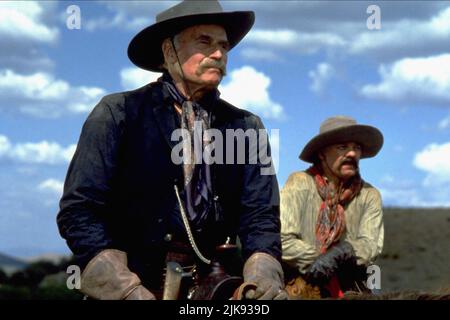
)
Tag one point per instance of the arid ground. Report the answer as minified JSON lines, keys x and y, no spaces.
{"x":416,"y":252}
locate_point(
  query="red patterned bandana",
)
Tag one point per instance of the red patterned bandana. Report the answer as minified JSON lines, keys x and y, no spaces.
{"x":331,"y":220}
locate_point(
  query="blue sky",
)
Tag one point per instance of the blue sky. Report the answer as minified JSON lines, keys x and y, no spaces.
{"x":301,"y":63}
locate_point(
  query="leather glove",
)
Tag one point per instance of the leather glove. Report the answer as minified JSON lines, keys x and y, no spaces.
{"x":326,"y":265}
{"x":107,"y":277}
{"x":265,"y":272}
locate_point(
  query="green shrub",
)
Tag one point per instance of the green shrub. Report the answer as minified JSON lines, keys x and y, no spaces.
{"x":57,"y":292}
{"x":8,"y":292}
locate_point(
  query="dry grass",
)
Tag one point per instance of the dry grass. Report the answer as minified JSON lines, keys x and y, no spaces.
{"x":416,"y":253}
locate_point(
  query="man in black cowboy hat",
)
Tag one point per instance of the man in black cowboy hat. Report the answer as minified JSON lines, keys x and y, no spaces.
{"x":331,"y":219}
{"x":128,"y":207}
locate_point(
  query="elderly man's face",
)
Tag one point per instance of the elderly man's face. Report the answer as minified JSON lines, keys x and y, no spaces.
{"x":341,"y":160}
{"x":202,"y":51}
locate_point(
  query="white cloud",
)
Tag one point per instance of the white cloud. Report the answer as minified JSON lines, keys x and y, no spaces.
{"x":428,"y":36}
{"x":22,"y":20}
{"x":387,"y":179}
{"x":306,"y":27}
{"x":296,"y":41}
{"x":5,"y":146}
{"x":432,"y":191}
{"x":133,"y":78}
{"x":413,"y":80}
{"x":52,"y":185}
{"x":444,"y":123}
{"x":408,"y":193}
{"x":259,"y":54}
{"x":435,"y":160}
{"x":41,"y":95}
{"x":118,"y":20}
{"x":129,"y":15}
{"x":281,"y":38}
{"x":320,"y":76}
{"x":399,"y":197}
{"x":23,"y":27}
{"x":408,"y":28}
{"x":413,"y":197}
{"x":248,"y":88}
{"x":43,"y":152}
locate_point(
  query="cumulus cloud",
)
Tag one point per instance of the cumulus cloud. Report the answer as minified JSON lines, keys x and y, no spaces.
{"x":400,"y":197}
{"x":43,"y":152}
{"x":260,"y":54}
{"x":22,"y":20}
{"x":320,"y":76}
{"x":306,"y":27}
{"x":434,"y":159}
{"x":118,"y":20}
{"x":408,"y":193}
{"x":133,"y":78}
{"x":413,"y":80}
{"x":414,"y":197}
{"x":129,"y":15}
{"x":396,"y":39}
{"x":340,"y":28}
{"x":41,"y":95}
{"x":301,"y":42}
{"x":52,"y":185}
{"x":23,"y":27}
{"x":444,"y":123}
{"x":248,"y":88}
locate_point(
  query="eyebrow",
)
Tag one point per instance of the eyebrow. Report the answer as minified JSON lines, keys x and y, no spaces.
{"x":205,"y":36}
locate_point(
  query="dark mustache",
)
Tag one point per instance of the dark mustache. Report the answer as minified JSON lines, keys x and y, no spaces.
{"x":350,"y":162}
{"x":214,"y":64}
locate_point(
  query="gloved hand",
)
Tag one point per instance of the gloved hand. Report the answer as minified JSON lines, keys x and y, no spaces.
{"x":326,"y":265}
{"x":107,"y":277}
{"x":266,"y":273}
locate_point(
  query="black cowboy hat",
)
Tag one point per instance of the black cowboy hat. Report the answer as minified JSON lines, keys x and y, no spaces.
{"x":145,"y":48}
{"x":342,"y":129}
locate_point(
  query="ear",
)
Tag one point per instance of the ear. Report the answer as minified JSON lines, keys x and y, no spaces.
{"x":168,"y":52}
{"x":320,"y":155}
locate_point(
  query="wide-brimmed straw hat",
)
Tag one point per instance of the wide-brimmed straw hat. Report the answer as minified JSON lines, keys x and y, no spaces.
{"x":340,"y":129}
{"x":144,"y":49}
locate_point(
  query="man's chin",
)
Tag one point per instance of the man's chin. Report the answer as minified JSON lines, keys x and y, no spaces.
{"x":349,"y":173}
{"x":212,"y":82}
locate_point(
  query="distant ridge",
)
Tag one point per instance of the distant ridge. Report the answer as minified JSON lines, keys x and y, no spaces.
{"x":49,"y":257}
{"x":10,"y":264}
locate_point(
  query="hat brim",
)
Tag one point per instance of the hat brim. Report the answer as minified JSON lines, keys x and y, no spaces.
{"x":145,"y":51}
{"x":370,"y":139}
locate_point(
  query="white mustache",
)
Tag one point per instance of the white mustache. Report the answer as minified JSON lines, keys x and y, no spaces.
{"x":214,"y":64}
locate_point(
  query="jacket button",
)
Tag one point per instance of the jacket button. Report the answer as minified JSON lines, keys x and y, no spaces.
{"x":168,"y":237}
